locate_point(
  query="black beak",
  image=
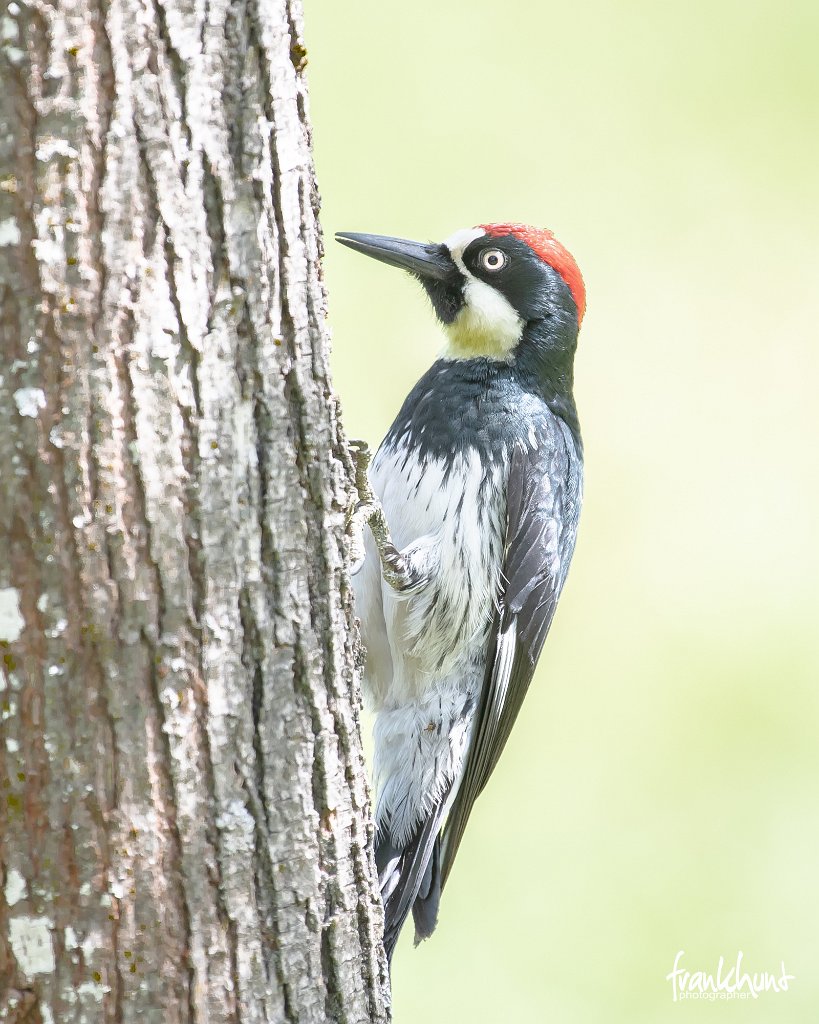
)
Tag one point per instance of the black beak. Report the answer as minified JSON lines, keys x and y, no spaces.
{"x":425,"y":260}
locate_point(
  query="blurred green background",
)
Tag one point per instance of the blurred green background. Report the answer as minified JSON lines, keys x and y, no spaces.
{"x":661,"y":790}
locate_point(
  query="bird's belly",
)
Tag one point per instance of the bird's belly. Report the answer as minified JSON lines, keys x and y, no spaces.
{"x":449,"y":517}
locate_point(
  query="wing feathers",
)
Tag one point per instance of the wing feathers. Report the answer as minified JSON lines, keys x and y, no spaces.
{"x":543,"y":500}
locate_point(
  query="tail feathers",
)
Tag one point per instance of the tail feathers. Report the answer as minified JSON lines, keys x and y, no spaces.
{"x":425,"y":907}
{"x":410,"y":879}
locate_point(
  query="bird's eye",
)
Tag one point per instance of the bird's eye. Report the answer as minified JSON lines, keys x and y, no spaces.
{"x":493,"y":259}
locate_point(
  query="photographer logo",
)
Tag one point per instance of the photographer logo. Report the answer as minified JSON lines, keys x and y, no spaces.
{"x":732,"y":982}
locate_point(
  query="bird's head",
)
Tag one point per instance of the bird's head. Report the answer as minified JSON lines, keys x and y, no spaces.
{"x":502,"y":291}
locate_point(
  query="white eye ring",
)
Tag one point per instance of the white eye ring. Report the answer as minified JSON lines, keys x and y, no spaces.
{"x":493,"y":259}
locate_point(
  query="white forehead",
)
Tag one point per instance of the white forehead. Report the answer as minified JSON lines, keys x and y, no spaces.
{"x":459,"y":241}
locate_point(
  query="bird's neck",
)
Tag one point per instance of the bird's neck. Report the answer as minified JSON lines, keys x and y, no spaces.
{"x":545,"y":363}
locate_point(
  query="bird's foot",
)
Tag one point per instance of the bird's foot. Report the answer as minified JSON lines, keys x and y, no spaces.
{"x":362,"y":456}
{"x":369,"y":512}
{"x":359,"y":513}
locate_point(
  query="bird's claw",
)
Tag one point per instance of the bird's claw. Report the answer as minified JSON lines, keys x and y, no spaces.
{"x":358,"y":519}
{"x":362,"y":457}
{"x":369,"y":512}
{"x":365,"y":509}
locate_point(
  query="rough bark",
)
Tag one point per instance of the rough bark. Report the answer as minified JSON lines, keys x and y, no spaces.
{"x":184,"y":820}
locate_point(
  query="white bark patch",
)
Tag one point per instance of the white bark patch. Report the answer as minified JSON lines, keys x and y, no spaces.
{"x":55,"y":147}
{"x":15,"y":887}
{"x":46,"y":250}
{"x":9,"y":30}
{"x":12,"y":622}
{"x":92,"y":989}
{"x":9,"y":232}
{"x":30,"y":939}
{"x":29,"y":401}
{"x":14,"y":55}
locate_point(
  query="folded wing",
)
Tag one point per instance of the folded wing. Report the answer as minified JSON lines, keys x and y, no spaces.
{"x":543,"y":506}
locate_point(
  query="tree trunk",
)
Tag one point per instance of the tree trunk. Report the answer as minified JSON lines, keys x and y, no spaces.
{"x":184,"y":817}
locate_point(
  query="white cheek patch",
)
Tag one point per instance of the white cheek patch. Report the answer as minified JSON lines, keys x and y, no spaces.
{"x":487,"y":325}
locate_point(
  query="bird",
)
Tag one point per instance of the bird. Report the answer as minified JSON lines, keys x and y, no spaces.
{"x":472,"y":500}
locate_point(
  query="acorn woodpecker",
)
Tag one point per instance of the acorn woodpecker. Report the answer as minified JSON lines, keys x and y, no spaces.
{"x":472,"y":513}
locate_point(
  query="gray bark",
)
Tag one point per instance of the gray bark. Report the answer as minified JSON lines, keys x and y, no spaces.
{"x":184,"y":816}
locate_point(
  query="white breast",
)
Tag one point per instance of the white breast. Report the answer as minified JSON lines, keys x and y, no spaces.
{"x":453,"y":520}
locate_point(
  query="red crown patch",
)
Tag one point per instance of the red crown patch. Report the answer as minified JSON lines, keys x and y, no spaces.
{"x":548,"y":248}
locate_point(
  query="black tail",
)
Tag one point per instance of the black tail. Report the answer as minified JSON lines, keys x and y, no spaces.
{"x":410,"y":879}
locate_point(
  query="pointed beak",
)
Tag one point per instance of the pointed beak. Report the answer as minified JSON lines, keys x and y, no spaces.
{"x":425,"y":260}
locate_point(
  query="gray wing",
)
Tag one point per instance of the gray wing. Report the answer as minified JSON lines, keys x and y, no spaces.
{"x":544,"y":492}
